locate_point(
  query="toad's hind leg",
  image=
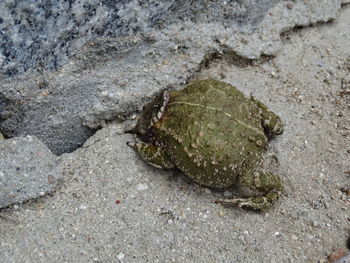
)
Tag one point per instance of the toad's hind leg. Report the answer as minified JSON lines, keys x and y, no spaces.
{"x":152,"y":154}
{"x":269,"y":184}
{"x":269,"y":120}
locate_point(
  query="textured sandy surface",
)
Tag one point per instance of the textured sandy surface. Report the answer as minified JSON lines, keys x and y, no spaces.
{"x":112,"y":207}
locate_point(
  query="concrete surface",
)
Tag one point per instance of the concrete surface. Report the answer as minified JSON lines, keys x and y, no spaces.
{"x":113,"y":207}
{"x":27,"y":170}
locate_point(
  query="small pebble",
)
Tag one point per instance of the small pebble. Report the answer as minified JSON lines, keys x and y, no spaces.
{"x":141,"y":187}
{"x":294,"y":237}
{"x":340,"y":113}
{"x":120,"y":256}
{"x":207,"y":190}
{"x":289,"y":5}
{"x":104,"y":93}
{"x":244,"y":41}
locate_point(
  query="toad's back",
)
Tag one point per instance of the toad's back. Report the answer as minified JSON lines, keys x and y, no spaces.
{"x":212,"y":132}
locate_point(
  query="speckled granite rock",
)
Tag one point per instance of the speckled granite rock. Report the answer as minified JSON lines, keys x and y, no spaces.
{"x":111,"y":78}
{"x":46,"y":33}
{"x":27,"y":170}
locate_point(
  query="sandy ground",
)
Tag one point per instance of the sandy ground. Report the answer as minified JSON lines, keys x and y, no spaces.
{"x":112,"y":207}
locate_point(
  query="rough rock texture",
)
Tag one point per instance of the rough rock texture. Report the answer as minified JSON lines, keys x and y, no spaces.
{"x":111,"y":78}
{"x":46,"y":33}
{"x":113,"y":207}
{"x":27,"y":170}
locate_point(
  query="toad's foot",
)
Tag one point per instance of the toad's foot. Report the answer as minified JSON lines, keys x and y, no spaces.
{"x":271,"y":185}
{"x":271,"y":122}
{"x":257,"y":203}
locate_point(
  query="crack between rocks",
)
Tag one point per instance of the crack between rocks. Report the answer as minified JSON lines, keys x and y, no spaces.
{"x":222,"y":53}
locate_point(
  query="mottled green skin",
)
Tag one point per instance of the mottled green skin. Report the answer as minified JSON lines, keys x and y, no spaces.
{"x":216,"y":136}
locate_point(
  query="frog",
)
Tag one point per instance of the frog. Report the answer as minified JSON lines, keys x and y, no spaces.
{"x":215,"y":135}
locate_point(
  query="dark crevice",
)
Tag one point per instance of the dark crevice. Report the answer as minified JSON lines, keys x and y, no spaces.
{"x":345,"y":5}
{"x":285,"y":35}
{"x":231,"y":57}
{"x":16,"y":119}
{"x":226,"y":55}
{"x":209,"y":58}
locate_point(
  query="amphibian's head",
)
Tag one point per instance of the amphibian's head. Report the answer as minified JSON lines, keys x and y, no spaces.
{"x":152,"y":112}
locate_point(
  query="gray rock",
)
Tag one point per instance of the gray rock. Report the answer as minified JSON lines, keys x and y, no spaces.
{"x":27,"y":170}
{"x":46,"y":34}
{"x":111,"y":78}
